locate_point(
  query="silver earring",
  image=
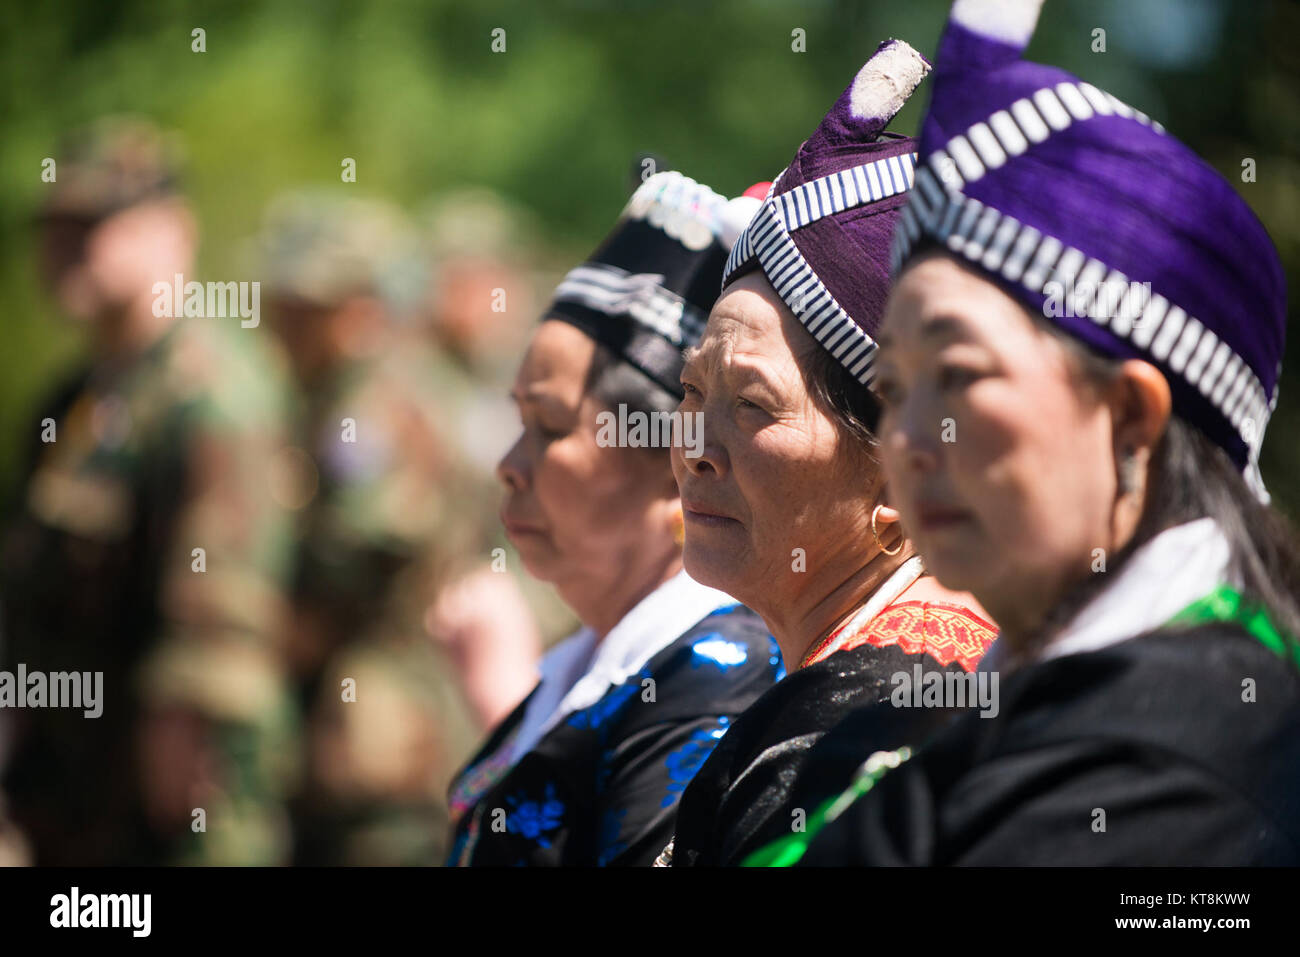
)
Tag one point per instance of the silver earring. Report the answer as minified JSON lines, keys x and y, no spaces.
{"x":1130,"y":473}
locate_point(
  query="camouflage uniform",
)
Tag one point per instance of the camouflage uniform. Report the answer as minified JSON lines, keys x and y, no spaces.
{"x":481,"y":245}
{"x":152,"y":458}
{"x":384,"y":524}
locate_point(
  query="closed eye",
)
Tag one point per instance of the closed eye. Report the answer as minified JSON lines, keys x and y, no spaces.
{"x":887,"y":391}
{"x":533,"y":424}
{"x":957,"y":377}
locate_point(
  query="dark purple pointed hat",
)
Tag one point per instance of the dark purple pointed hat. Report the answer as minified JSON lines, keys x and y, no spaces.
{"x":1088,"y":212}
{"x":822,"y":235}
{"x":646,"y":292}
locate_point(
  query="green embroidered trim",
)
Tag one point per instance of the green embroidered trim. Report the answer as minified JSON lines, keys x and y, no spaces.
{"x":786,"y":851}
{"x":1225,"y":603}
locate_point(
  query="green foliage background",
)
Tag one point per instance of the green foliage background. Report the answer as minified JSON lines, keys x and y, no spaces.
{"x":412,"y":91}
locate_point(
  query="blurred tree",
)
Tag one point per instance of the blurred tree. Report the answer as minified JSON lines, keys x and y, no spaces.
{"x":413,"y":92}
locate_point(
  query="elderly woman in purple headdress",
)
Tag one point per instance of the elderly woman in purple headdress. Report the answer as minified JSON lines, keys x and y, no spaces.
{"x":785,"y":505}
{"x":1101,"y":319}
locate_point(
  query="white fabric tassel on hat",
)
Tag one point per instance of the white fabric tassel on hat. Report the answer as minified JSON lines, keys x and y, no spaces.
{"x":885,"y":81}
{"x":1010,"y":21}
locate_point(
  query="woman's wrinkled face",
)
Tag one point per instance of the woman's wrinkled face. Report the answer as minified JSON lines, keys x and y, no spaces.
{"x":997,"y":454}
{"x":575,"y":510}
{"x":775,"y":475}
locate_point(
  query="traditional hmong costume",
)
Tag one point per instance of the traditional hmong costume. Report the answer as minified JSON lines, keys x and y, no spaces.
{"x":821,"y":238}
{"x":588,"y":770}
{"x":745,"y":794}
{"x":1161,"y":725}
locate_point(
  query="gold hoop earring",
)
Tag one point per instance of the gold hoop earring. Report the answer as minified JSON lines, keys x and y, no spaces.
{"x":876,"y":535}
{"x":679,"y":528}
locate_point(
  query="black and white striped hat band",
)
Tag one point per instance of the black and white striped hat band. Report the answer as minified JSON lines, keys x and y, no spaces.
{"x":767,"y":238}
{"x":1001,"y":244}
{"x":638,"y":296}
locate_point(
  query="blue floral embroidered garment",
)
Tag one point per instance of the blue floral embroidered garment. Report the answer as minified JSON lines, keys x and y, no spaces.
{"x":601,"y":787}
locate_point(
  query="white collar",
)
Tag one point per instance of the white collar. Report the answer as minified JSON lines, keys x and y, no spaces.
{"x":652,"y":625}
{"x":1160,"y":579}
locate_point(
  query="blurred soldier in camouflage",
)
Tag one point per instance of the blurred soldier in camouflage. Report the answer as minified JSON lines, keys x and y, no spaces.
{"x":145,"y":544}
{"x":482,"y":302}
{"x":387,"y":520}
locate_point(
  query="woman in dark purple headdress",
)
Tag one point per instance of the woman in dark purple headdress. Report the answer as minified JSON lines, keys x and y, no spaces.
{"x":1100,"y":319}
{"x":785,"y":504}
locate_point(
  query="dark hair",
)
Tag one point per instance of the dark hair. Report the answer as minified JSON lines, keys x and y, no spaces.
{"x":849,"y":403}
{"x":613,"y":382}
{"x":855,"y":413}
{"x":1193,"y":478}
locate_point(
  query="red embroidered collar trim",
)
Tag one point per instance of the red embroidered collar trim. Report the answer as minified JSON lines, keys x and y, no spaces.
{"x":945,"y":632}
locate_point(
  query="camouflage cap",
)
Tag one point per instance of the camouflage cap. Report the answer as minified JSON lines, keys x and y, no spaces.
{"x":111,"y":164}
{"x":323,"y":248}
{"x":475,"y":221}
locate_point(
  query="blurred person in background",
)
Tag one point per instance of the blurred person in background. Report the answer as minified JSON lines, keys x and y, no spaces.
{"x":589,"y":768}
{"x":1103,"y":497}
{"x":483,"y":289}
{"x":155,"y":449}
{"x":384,"y":522}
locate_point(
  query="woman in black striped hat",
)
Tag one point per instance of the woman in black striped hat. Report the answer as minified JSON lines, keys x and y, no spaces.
{"x":589,"y":768}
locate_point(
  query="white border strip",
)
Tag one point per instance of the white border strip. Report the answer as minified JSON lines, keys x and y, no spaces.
{"x":617,"y":292}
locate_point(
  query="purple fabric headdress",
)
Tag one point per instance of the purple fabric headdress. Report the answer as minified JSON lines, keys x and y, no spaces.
{"x":822,"y":235}
{"x":1088,"y":212}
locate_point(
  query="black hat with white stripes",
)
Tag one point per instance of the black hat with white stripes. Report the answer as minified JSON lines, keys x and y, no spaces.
{"x":646,"y":292}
